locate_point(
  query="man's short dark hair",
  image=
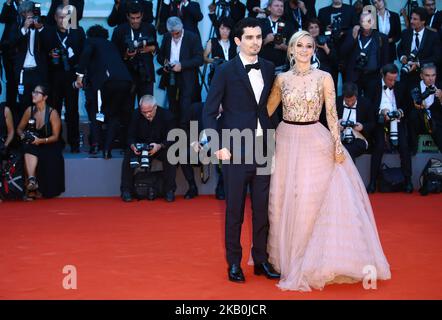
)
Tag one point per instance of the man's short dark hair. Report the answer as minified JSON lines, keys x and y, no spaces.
{"x":421,"y":12}
{"x":429,"y":65}
{"x":349,"y":89}
{"x":134,"y":7}
{"x":389,"y":68}
{"x":245,"y":23}
{"x":97,"y":31}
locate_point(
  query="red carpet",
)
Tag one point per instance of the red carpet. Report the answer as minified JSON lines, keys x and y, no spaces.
{"x":156,"y":250}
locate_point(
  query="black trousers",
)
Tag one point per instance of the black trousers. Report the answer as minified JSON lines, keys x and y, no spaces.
{"x":378,"y":150}
{"x":127,"y":173}
{"x":236,"y":180}
{"x":139,"y":89}
{"x":416,"y":126}
{"x":180,"y":100}
{"x":95,"y":137}
{"x":116,"y":111}
{"x":356,"y":148}
{"x":63,"y":91}
{"x":11,"y":83}
{"x":365,"y":84}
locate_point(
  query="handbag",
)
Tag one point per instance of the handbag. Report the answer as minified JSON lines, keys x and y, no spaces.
{"x":391,"y":179}
{"x":148,"y":185}
{"x":431,"y":177}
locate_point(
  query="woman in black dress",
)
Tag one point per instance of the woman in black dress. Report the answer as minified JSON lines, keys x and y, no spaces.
{"x":6,"y":130}
{"x":39,"y":129}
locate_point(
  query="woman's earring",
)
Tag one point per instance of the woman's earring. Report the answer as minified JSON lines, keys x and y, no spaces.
{"x":292,"y":60}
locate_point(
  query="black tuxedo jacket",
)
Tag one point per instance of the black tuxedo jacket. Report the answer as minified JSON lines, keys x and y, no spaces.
{"x":435,"y":108}
{"x":119,"y":16}
{"x":399,"y":94}
{"x":237,"y":12}
{"x":289,"y":17}
{"x":8,"y":16}
{"x":119,"y":37}
{"x":191,"y":15}
{"x":364,"y":114}
{"x":101,"y":61}
{"x":429,"y":49}
{"x":191,"y":56}
{"x":78,"y":4}
{"x":232,"y":89}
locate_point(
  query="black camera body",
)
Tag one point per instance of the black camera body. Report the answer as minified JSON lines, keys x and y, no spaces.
{"x":36,"y":11}
{"x":279,"y":36}
{"x":172,"y":77}
{"x":361,"y":61}
{"x":406,"y":68}
{"x":61,"y":58}
{"x":419,"y":97}
{"x":143,"y":160}
{"x":30,"y":134}
{"x":347,"y":124}
{"x":138,"y":43}
{"x":322,"y":39}
{"x":347,"y":135}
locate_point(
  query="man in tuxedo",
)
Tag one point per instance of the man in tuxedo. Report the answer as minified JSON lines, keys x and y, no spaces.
{"x":106,"y":72}
{"x":65,"y":47}
{"x":298,"y":12}
{"x":421,"y":40}
{"x":9,"y":16}
{"x":79,"y":7}
{"x":139,"y":60}
{"x":276,"y":33}
{"x":242,"y":85}
{"x":28,"y":41}
{"x":434,"y":18}
{"x":188,"y":11}
{"x":426,"y":108}
{"x":120,"y":9}
{"x":389,"y":97}
{"x":181,"y":54}
{"x":233,"y":9}
{"x":359,"y":111}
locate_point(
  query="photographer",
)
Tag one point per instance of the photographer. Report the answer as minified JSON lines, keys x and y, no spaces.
{"x":79,"y":8}
{"x":150,"y":125}
{"x":367,"y":50}
{"x":222,"y":48}
{"x":275,"y":34}
{"x":66,"y":47}
{"x":256,"y":8}
{"x":325,"y":57}
{"x":137,"y":43}
{"x":120,"y":10}
{"x":418,"y":46}
{"x":356,"y":120}
{"x":8,"y":17}
{"x":434,"y":17}
{"x":106,"y":72}
{"x":426,"y":108}
{"x":28,"y":42}
{"x":39,"y":130}
{"x":188,"y":11}
{"x":6,"y":131}
{"x":298,"y":12}
{"x":391,"y":125}
{"x":232,"y":9}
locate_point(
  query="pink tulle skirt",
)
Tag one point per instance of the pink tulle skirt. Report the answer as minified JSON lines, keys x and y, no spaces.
{"x":322,"y":228}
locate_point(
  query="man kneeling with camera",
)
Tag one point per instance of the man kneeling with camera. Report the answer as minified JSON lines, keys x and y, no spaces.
{"x":147,"y":139}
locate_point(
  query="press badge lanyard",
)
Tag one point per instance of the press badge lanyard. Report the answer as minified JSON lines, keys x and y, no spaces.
{"x":274,"y":26}
{"x":63,"y":42}
{"x":132,"y":35}
{"x":298,"y":17}
{"x":366,"y":45}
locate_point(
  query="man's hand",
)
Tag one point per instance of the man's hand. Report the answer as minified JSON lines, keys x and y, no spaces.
{"x":341,"y":128}
{"x":257,"y":9}
{"x":358,"y":127}
{"x":79,"y":82}
{"x":129,"y":54}
{"x":418,"y":106}
{"x":301,"y":5}
{"x":37,"y":141}
{"x":269,"y":38}
{"x":223,"y":154}
{"x":325,"y":48}
{"x":155,"y":149}
{"x":134,"y":150}
{"x":356,"y":31}
{"x":281,"y":46}
{"x":177,"y":67}
{"x":28,"y":22}
{"x":385,"y":114}
{"x":438,"y":94}
{"x":212,"y":8}
{"x":147,"y":49}
{"x":38,"y":26}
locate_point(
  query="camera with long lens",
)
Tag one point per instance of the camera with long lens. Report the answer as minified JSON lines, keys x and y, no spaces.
{"x":36,"y":13}
{"x":394,"y":119}
{"x":279,"y":36}
{"x":347,"y":135}
{"x":30,"y":134}
{"x":336,"y":28}
{"x":139,"y":43}
{"x":361,"y":61}
{"x":322,"y":39}
{"x":406,"y":68}
{"x":419,"y":97}
{"x":143,"y":160}
{"x":172,"y":76}
{"x":60,"y":57}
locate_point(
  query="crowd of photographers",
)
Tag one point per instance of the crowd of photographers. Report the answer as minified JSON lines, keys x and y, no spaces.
{"x":390,"y":92}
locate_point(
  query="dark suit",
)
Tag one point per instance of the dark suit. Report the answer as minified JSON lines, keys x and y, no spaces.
{"x":429,"y":51}
{"x":293,"y":18}
{"x":119,"y":16}
{"x":9,"y":16}
{"x":189,"y":15}
{"x":78,"y":4}
{"x":107,"y":72}
{"x":236,"y":11}
{"x":379,"y":133}
{"x":394,"y":33}
{"x":61,"y":80}
{"x":365,"y":116}
{"x":231,"y":87}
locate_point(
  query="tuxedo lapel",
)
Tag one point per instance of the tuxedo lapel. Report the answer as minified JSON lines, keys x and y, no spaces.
{"x":244,"y":76}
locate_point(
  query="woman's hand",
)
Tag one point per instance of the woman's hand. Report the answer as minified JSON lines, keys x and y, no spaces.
{"x":339,"y":155}
{"x":38,"y":141}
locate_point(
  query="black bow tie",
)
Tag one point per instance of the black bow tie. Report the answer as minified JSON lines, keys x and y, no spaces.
{"x":385,"y":87}
{"x":249,"y":67}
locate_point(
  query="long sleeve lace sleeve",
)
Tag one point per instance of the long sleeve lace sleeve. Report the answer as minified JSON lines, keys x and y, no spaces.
{"x":275,"y":96}
{"x":331,"y":113}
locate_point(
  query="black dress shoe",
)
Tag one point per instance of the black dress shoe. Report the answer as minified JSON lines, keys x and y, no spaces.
{"x":94,"y":149}
{"x":371,"y":188}
{"x":170,"y":196}
{"x":151,"y":194}
{"x":266,"y":269}
{"x":408,"y":186}
{"x":107,"y":155}
{"x":219,"y":192}
{"x":235,"y":273}
{"x":192,"y":192}
{"x":126,"y":196}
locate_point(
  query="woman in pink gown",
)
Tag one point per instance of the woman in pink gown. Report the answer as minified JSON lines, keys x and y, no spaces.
{"x":322,"y":228}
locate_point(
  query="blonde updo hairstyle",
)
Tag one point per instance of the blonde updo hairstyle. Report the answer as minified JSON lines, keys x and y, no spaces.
{"x":294,"y":41}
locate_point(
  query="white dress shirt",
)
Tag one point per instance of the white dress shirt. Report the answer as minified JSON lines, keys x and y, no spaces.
{"x":384,"y":23}
{"x":175,"y":49}
{"x":420,"y":36}
{"x":388,"y":100}
{"x":257,"y":82}
{"x":349,"y":113}
{"x":430,"y":99}
{"x":30,"y":59}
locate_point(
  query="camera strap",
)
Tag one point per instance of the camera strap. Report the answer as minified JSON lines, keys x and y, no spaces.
{"x":63,"y":42}
{"x":132,"y":34}
{"x":366,"y":45}
{"x":273,"y":25}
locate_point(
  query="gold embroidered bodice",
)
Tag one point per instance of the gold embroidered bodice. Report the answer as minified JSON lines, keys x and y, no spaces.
{"x":303,"y":96}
